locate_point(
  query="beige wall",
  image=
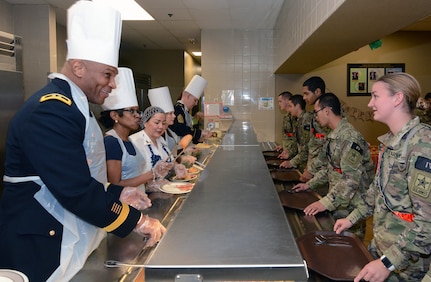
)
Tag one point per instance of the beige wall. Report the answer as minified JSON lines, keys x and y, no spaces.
{"x":242,"y":61}
{"x":411,"y":48}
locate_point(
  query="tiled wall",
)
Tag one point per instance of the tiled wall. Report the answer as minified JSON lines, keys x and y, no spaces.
{"x":242,"y":61}
{"x":297,"y":21}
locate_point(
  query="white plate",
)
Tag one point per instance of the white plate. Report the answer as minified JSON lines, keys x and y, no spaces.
{"x":8,"y":275}
{"x":197,"y":169}
{"x":190,"y":177}
{"x":174,"y":188}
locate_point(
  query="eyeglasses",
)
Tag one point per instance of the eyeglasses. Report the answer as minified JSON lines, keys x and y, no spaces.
{"x":132,"y":111}
{"x":316,"y":112}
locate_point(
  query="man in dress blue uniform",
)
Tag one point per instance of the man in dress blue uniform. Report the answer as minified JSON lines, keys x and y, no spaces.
{"x":183,"y":123}
{"x":56,"y":201}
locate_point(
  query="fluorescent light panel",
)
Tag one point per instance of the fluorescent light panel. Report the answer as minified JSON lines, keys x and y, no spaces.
{"x":129,"y":9}
{"x":197,"y":54}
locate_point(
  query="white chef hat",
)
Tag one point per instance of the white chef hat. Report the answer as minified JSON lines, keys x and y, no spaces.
{"x":161,"y":97}
{"x":196,"y":86}
{"x":124,"y":96}
{"x":93,"y":33}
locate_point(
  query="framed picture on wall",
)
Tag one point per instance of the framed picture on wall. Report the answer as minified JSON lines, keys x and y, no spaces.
{"x":360,"y":77}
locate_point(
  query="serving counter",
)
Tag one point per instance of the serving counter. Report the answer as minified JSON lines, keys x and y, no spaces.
{"x":231,"y":227}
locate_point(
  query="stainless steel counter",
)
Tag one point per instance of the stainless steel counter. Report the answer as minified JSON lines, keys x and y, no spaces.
{"x":232,"y":226}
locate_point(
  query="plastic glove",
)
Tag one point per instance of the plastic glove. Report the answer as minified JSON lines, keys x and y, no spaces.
{"x":188,"y":160}
{"x":150,"y":228}
{"x":154,"y":186}
{"x":135,"y":198}
{"x":180,"y":171}
{"x":162,"y":168}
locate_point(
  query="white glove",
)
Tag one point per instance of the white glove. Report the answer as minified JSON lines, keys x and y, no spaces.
{"x":135,"y":198}
{"x":162,"y":168}
{"x":152,"y":227}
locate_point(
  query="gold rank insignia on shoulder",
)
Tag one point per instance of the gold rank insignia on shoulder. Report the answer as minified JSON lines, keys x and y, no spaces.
{"x":180,"y":119}
{"x":56,"y":96}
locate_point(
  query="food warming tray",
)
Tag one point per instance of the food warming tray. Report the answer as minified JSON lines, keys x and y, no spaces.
{"x":339,"y":257}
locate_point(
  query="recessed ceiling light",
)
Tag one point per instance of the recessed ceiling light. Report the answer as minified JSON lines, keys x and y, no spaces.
{"x":129,"y":9}
{"x":197,"y":54}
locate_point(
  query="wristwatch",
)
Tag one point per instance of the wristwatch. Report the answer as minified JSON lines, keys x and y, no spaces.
{"x":387,"y":263}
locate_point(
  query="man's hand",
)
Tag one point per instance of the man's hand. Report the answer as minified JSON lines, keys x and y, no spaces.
{"x":314,"y":208}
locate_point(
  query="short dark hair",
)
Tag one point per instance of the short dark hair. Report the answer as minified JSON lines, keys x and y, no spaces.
{"x":285,"y":95}
{"x":298,"y":99}
{"x":329,"y":100}
{"x":315,"y":82}
{"x":428,"y":96}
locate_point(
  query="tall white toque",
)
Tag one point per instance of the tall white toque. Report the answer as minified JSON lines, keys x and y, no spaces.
{"x":196,"y":86}
{"x":93,"y":33}
{"x":161,"y":97}
{"x":124,"y":96}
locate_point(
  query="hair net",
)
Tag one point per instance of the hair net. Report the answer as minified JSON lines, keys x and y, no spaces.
{"x":149,"y":112}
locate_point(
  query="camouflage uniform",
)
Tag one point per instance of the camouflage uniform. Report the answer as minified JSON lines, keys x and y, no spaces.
{"x":289,"y":141}
{"x":424,"y":115}
{"x":317,"y":139}
{"x":349,"y":171}
{"x":302,"y":137}
{"x":427,"y":277}
{"x":402,"y":185}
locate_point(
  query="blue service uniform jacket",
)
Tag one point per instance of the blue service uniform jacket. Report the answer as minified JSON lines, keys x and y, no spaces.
{"x":180,"y":127}
{"x":45,"y":139}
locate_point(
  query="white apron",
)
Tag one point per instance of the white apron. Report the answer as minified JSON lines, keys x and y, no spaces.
{"x":79,"y":238}
{"x":131,"y":166}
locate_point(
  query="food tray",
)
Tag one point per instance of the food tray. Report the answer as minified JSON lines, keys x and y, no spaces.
{"x":270,"y":155}
{"x":339,"y":257}
{"x":285,"y":174}
{"x":275,"y":163}
{"x":298,"y":200}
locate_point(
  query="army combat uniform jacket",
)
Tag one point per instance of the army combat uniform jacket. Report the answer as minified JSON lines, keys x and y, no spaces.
{"x":317,"y":140}
{"x":302,"y":137}
{"x":289,"y":140}
{"x":349,"y":169}
{"x":401,"y":200}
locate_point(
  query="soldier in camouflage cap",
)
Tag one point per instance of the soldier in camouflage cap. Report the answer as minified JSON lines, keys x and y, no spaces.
{"x":301,"y":133}
{"x":399,"y":197}
{"x":289,"y":146}
{"x":349,"y":169}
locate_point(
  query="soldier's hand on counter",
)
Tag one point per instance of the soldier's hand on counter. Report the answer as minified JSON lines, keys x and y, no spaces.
{"x":374,"y":271}
{"x":135,"y":198}
{"x":278,"y":148}
{"x":283,"y":155}
{"x":286,"y":164}
{"x":305,"y":176}
{"x":300,"y":187}
{"x":341,"y":225}
{"x":150,"y":228}
{"x":314,"y":208}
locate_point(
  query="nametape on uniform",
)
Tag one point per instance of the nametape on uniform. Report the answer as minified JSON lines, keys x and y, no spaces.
{"x":56,"y":96}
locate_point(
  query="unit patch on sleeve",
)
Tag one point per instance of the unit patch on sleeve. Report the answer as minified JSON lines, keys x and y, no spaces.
{"x":56,"y":96}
